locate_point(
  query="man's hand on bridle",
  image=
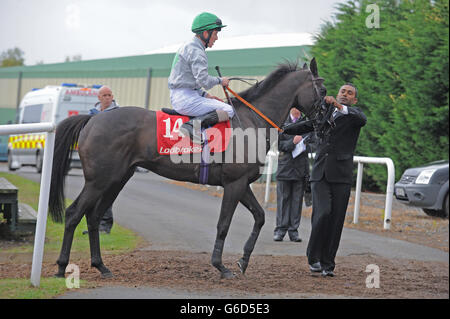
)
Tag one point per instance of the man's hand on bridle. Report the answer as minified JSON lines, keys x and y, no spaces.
{"x":332,"y":101}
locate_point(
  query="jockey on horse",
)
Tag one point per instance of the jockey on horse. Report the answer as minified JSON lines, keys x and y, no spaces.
{"x":189,"y":76}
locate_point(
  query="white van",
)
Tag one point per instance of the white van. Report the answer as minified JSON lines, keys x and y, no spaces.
{"x":50,"y":104}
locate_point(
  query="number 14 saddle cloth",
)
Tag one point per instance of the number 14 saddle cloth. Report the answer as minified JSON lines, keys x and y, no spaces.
{"x":170,"y":141}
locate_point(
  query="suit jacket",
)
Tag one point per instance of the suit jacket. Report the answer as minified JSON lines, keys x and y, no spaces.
{"x":334,"y":154}
{"x":290,"y":168}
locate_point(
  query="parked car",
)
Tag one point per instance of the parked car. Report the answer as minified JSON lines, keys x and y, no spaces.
{"x":425,"y":186}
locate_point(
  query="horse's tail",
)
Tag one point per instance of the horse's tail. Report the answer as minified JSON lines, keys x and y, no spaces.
{"x":67,"y":133}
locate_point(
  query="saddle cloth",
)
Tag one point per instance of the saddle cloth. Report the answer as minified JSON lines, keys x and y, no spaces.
{"x":170,"y":142}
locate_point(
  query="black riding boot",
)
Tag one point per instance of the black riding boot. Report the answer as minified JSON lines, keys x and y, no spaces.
{"x":195,"y":129}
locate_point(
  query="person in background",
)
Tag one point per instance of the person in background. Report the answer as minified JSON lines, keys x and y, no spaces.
{"x":293,"y":167}
{"x":105,"y":103}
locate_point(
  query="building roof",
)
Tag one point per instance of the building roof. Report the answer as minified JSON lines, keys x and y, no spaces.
{"x":252,"y":62}
{"x":251,"y":41}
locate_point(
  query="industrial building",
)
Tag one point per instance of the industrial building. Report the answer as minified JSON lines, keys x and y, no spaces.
{"x":137,"y":80}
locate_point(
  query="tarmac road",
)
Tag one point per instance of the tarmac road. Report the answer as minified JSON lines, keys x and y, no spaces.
{"x":172,"y":217}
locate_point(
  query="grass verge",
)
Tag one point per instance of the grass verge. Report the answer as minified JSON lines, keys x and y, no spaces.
{"x":21,"y":288}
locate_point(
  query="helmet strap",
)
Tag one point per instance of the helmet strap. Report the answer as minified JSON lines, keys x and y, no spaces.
{"x":210,"y":32}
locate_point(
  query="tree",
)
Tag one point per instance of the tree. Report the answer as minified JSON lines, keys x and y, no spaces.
{"x":12,"y":57}
{"x":401,"y":71}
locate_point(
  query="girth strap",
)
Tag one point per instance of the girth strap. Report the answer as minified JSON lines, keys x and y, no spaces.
{"x":204,"y":164}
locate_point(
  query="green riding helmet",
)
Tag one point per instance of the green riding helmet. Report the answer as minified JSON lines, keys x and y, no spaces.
{"x":206,"y":21}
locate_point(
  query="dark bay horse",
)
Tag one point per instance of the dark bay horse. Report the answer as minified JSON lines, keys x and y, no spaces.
{"x":112,"y":144}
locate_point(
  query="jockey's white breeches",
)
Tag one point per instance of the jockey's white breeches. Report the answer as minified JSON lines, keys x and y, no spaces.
{"x":189,"y":102}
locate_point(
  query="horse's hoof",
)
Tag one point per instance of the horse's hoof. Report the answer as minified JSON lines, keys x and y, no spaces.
{"x":226,"y":275}
{"x":106,"y":275}
{"x":242,"y":265}
{"x":59,"y":275}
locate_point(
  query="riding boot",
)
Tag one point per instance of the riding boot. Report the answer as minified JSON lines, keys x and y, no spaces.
{"x":195,"y":125}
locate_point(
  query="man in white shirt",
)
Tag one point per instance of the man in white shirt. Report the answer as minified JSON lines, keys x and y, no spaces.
{"x":293,"y":168}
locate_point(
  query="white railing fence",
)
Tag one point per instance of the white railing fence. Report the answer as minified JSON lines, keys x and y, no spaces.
{"x":39,"y":238}
{"x":273,"y":156}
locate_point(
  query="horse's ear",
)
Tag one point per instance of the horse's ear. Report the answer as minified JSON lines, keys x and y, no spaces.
{"x":313,"y":67}
{"x":305,"y":66}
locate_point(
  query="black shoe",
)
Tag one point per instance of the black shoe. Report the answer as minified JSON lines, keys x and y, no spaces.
{"x":85,"y":232}
{"x":296,"y":239}
{"x":327,"y":273}
{"x":278,"y":238}
{"x":316,"y":267}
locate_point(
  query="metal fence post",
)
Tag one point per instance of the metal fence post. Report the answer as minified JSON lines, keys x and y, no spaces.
{"x":389,"y":193}
{"x":147,"y":89}
{"x":39,"y":239}
{"x":358,"y":193}
{"x":269,"y":178}
{"x":19,"y":92}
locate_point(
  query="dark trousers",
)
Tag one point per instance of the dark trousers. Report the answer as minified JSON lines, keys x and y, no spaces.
{"x":330,"y":202}
{"x":106,"y":222}
{"x":289,"y":207}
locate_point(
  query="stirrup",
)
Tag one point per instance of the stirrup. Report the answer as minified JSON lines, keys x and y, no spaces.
{"x":202,"y":140}
{"x":188,"y":130}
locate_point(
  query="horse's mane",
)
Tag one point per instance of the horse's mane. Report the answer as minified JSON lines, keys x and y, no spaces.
{"x":269,"y":82}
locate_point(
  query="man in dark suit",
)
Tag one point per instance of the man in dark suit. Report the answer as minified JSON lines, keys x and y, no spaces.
{"x":292,"y":170}
{"x":331,"y":179}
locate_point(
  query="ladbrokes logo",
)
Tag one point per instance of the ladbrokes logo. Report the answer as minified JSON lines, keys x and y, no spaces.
{"x":180,"y":150}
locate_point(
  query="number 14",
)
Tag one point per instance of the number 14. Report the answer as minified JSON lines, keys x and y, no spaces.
{"x":176,"y":127}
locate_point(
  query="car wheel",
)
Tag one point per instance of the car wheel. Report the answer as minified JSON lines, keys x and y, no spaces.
{"x":10,"y":167}
{"x":434,"y":212}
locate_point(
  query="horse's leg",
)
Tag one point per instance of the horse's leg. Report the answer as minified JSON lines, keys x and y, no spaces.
{"x":93,"y":219}
{"x":231,"y":196}
{"x":249,"y":200}
{"x":73,"y":216}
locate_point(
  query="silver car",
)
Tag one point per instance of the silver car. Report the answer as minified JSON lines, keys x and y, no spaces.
{"x":426,"y":187}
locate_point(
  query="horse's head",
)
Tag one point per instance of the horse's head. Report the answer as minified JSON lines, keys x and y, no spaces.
{"x":310,"y":94}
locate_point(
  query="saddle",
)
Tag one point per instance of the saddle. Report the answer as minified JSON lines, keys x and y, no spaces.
{"x":169,"y":141}
{"x":172,"y":112}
